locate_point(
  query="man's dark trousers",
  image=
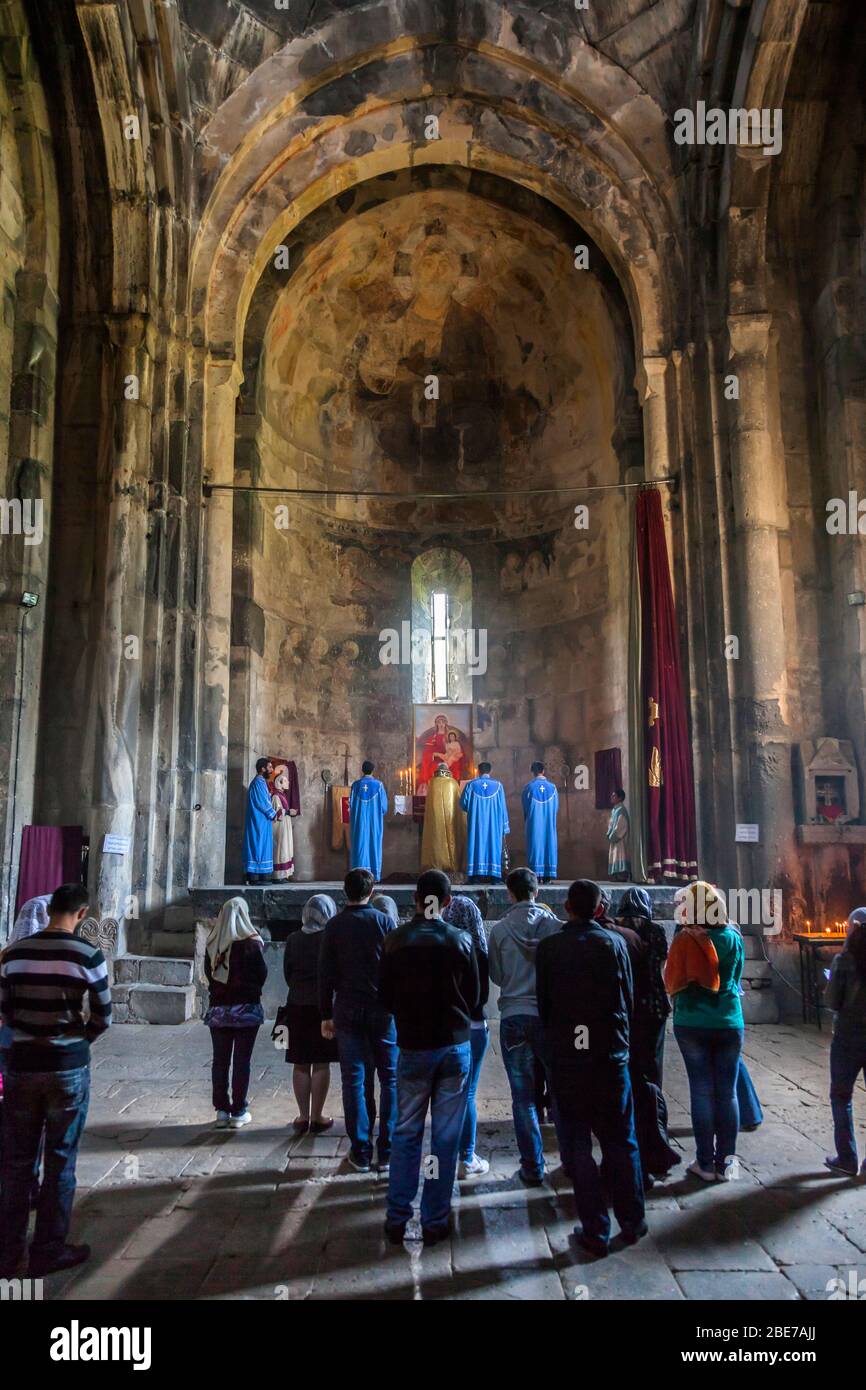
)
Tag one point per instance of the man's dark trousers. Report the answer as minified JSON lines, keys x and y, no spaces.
{"x":50,"y":1106}
{"x":596,"y":1098}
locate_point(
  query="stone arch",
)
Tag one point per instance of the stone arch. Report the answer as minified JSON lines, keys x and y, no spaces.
{"x":550,"y":114}
{"x":619,"y":206}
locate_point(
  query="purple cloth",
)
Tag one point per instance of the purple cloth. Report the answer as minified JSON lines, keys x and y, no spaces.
{"x":50,"y":855}
{"x":608,"y":776}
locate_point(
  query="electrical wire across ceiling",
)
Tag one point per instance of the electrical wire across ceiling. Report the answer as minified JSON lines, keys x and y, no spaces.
{"x":209,"y":488}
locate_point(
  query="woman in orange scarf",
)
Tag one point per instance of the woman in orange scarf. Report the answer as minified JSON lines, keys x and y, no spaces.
{"x":702,"y":974}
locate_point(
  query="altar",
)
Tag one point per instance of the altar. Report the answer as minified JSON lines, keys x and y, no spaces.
{"x":276,"y":907}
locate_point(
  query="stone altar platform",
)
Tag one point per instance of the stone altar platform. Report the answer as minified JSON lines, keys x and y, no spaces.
{"x":275,"y":908}
{"x":278,"y":906}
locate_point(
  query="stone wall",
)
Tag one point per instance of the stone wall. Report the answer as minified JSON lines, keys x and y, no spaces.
{"x":539,"y":406}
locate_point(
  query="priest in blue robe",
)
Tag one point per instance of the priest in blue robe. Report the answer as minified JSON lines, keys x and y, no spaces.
{"x":258,"y":855}
{"x":483,"y":800}
{"x":368,"y":802}
{"x":540,"y":808}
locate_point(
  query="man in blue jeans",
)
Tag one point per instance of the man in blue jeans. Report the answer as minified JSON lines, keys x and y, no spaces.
{"x":43,"y":982}
{"x":513,"y":943}
{"x":585,"y":1002}
{"x":352,"y":1012}
{"x":429,"y":979}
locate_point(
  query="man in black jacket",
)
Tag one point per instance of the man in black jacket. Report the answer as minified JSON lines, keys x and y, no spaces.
{"x":584,"y":992}
{"x":353,"y":1013}
{"x":429,"y":979}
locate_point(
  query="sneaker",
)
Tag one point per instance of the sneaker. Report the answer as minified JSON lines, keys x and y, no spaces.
{"x":383,"y":1169}
{"x":727,"y":1173}
{"x":836,"y":1165}
{"x":705,"y":1174}
{"x":66,"y":1258}
{"x":395,"y":1232}
{"x":238,"y":1121}
{"x":474,"y":1167}
{"x":360,"y":1165}
{"x":222,"y":1120}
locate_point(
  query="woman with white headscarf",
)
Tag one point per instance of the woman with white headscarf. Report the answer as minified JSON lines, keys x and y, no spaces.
{"x":32,"y":918}
{"x":236,"y":972}
{"x":311,"y":1055}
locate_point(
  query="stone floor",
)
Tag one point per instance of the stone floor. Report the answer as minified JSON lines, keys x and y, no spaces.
{"x":174,"y":1209}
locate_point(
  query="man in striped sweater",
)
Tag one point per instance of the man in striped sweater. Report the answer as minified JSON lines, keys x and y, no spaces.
{"x":43,"y":983}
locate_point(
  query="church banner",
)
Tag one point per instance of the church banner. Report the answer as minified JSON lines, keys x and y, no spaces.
{"x":669,"y":780}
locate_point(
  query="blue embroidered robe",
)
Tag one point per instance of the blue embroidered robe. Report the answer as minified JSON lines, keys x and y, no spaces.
{"x":368,"y":802}
{"x":540,"y":807}
{"x":483,"y":800}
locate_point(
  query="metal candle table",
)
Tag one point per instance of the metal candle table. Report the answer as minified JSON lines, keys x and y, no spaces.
{"x":810,"y":983}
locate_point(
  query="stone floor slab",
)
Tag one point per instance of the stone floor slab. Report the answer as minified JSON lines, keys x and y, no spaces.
{"x":174,"y":1208}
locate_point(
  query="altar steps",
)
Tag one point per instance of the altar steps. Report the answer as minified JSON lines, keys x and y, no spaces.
{"x":153,"y":989}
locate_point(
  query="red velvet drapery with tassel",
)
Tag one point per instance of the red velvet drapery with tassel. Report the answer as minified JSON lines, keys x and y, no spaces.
{"x":671,"y":849}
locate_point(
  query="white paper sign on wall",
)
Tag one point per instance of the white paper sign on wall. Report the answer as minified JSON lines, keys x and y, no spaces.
{"x":115,"y":844}
{"x":747,"y":834}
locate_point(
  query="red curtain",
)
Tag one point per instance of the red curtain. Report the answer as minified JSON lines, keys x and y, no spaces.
{"x":671,"y":848}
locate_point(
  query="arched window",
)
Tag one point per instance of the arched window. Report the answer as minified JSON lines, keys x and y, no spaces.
{"x":441,"y":627}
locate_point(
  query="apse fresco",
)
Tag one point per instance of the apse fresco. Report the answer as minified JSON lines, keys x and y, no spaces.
{"x":444,"y":339}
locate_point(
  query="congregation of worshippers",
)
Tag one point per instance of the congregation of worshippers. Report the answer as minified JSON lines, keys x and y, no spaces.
{"x":583,"y":1004}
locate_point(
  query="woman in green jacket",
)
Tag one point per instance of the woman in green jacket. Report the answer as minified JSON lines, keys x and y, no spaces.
{"x":708,"y":1025}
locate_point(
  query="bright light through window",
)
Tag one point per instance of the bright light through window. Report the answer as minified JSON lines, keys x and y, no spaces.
{"x":439,"y":615}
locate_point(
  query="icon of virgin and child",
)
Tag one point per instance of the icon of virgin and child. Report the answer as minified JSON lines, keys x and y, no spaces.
{"x":445,"y":743}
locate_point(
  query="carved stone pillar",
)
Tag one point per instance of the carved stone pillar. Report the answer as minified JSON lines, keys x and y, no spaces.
{"x":222,"y":380}
{"x":652,"y":387}
{"x":761,"y":670}
{"x":653,"y":384}
{"x":114,"y":708}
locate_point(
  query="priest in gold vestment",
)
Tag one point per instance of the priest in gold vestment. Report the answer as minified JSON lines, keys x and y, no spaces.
{"x":443,"y":842}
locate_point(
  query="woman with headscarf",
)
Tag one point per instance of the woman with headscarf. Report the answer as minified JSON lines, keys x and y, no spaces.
{"x":311,"y":1055}
{"x":32,"y":918}
{"x":652,"y":1006}
{"x":236,"y":972}
{"x":386,"y":904}
{"x":703,"y":971}
{"x":647,"y":948}
{"x":846,"y":996}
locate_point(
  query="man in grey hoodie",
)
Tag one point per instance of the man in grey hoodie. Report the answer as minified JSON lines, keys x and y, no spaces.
{"x":513,"y":942}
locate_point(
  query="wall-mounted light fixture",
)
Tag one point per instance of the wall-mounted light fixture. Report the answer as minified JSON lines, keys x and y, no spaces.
{"x":29,"y":600}
{"x":857,"y":599}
